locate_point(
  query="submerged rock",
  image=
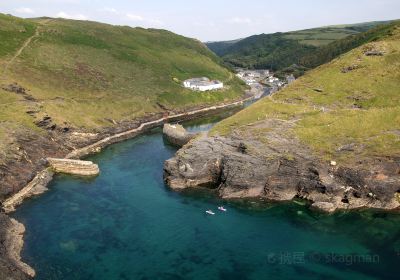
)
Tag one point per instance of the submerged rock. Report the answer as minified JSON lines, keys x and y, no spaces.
{"x":324,"y":206}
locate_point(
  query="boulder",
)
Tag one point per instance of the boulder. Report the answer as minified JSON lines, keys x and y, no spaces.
{"x":177,"y":135}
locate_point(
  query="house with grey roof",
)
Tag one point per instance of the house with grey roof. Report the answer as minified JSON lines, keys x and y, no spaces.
{"x":202,"y":84}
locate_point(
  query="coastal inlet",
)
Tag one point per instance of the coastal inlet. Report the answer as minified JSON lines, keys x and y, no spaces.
{"x":126,"y":224}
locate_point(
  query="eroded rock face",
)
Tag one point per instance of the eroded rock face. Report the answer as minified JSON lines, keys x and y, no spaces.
{"x":265,"y":171}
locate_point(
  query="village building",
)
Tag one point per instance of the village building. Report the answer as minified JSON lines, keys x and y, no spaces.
{"x":290,"y":79}
{"x":250,"y":81}
{"x":203,"y":84}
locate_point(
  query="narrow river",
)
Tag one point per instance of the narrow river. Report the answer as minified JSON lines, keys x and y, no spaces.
{"x":126,"y":224}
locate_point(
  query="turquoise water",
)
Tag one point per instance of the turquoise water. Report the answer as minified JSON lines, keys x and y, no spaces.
{"x":126,"y":224}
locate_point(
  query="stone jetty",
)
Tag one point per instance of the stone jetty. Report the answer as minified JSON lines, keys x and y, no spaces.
{"x":74,"y":167}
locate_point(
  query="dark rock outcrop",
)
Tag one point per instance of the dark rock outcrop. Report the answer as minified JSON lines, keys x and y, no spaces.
{"x":268,"y":172}
{"x":18,"y":89}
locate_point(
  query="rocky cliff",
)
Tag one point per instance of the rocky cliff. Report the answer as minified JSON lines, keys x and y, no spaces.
{"x":244,"y":168}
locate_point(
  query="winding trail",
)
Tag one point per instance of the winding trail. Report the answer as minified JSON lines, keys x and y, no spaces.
{"x":21,"y":49}
{"x":18,"y":53}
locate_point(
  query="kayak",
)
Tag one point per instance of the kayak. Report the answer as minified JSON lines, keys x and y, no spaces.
{"x":210,"y":212}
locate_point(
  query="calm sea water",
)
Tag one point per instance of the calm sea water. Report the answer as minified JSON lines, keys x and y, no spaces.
{"x":126,"y":224}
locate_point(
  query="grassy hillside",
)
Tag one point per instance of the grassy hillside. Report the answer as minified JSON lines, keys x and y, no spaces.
{"x":346,"y":109}
{"x":306,"y":48}
{"x":84,"y":73}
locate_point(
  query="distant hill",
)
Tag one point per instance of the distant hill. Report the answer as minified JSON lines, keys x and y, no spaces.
{"x":280,"y":50}
{"x":220,"y":47}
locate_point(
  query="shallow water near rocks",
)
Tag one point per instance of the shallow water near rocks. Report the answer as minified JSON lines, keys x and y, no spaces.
{"x":126,"y":224}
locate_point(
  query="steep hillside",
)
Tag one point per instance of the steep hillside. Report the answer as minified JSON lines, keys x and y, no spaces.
{"x":331,"y":137}
{"x":352,"y":100}
{"x":134,"y":69}
{"x":60,"y":77}
{"x":306,"y":48}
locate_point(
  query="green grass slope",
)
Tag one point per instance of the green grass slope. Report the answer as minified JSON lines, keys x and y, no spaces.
{"x":86,"y":73}
{"x":353,"y":101}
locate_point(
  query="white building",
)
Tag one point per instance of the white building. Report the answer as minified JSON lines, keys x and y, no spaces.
{"x":202,"y":84}
{"x":290,"y":79}
{"x":273,"y":79}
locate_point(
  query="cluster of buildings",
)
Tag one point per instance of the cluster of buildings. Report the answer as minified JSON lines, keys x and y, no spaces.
{"x":264,"y":77}
{"x":252,"y":76}
{"x":202,"y":84}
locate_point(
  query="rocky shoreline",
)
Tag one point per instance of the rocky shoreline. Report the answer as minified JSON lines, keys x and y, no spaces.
{"x":11,"y":240}
{"x":35,"y":174}
{"x":242,"y":167}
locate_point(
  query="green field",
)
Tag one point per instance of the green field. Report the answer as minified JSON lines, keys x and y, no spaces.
{"x":326,"y":35}
{"x":332,"y":108}
{"x":320,"y":36}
